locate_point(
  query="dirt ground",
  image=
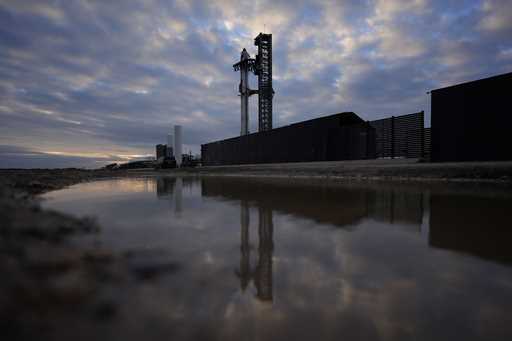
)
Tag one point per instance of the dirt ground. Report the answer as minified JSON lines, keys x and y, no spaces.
{"x":381,"y":169}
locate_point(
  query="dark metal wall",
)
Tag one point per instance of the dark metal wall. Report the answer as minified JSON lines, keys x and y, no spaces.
{"x":471,"y":121}
{"x":400,"y":136}
{"x":427,"y":144}
{"x":342,"y":136}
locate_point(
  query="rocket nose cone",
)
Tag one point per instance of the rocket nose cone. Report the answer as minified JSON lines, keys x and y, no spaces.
{"x":244,"y":55}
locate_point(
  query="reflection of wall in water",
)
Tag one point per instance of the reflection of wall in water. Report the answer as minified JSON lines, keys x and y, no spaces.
{"x":324,"y":206}
{"x":476,"y":225}
{"x":338,"y":206}
{"x":392,"y":206}
{"x":165,"y":186}
{"x":262,"y":272}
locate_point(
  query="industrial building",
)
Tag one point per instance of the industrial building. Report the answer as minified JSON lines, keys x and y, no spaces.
{"x":343,"y":136}
{"x":172,"y":151}
{"x":161,"y":151}
{"x":178,"y":145}
{"x":471,"y":121}
{"x":170,"y":146}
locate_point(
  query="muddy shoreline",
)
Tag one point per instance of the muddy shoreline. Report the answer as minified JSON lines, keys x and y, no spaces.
{"x":402,"y":170}
{"x":47,"y":280}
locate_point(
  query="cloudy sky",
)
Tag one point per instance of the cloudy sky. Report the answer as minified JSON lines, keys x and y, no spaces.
{"x":85,"y":82}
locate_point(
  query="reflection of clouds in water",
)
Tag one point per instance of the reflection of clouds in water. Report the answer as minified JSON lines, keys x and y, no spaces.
{"x":379,"y":274}
{"x":376,"y":278}
{"x":102,"y":189}
{"x":178,"y":196}
{"x":245,"y":271}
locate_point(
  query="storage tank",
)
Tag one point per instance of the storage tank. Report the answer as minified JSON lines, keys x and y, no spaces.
{"x":178,"y":144}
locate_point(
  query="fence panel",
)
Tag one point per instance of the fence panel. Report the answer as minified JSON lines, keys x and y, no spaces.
{"x":400,"y":136}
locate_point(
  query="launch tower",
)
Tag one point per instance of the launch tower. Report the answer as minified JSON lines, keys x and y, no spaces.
{"x":263,"y":69}
{"x":261,"y":66}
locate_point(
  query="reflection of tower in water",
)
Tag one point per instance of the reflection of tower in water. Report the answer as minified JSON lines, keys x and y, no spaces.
{"x":245,"y":256}
{"x":262,"y":274}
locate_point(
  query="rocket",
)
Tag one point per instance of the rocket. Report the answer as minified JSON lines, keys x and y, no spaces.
{"x":245,"y":65}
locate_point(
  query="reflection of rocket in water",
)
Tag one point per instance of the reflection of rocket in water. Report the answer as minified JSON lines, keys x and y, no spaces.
{"x":245,"y":256}
{"x":262,"y":274}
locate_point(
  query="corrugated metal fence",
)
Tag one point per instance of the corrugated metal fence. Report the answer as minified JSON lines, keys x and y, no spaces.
{"x":342,"y":136}
{"x":337,"y":137}
{"x":401,"y":136}
{"x":428,"y":143}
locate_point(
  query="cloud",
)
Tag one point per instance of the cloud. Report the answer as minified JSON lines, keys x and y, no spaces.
{"x":18,"y":157}
{"x":113,"y":77}
{"x":497,"y":15}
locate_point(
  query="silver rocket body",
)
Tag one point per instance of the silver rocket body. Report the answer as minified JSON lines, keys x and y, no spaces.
{"x":244,"y":92}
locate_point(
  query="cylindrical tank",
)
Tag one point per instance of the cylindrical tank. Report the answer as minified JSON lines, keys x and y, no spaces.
{"x":178,"y":145}
{"x":170,"y":145}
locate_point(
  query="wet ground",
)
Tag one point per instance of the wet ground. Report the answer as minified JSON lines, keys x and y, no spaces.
{"x":251,"y":259}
